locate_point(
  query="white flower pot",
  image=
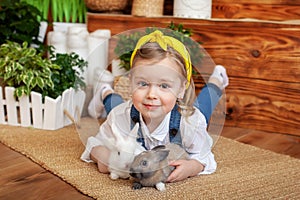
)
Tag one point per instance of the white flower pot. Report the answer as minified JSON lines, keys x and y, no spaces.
{"x":43,"y":30}
{"x":64,"y":26}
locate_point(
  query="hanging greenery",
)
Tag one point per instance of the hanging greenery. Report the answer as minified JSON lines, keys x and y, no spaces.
{"x":19,"y":22}
{"x":41,"y":5}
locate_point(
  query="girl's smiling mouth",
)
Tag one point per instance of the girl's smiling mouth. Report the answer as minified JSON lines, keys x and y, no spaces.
{"x":151,"y":106}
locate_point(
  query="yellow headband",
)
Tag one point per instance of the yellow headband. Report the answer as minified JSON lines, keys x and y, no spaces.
{"x":163,"y":41}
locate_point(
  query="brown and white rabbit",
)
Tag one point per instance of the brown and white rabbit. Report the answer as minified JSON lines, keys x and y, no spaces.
{"x":150,"y":168}
{"x":122,"y":152}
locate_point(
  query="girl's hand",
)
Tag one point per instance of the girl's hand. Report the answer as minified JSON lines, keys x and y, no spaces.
{"x":184,"y":169}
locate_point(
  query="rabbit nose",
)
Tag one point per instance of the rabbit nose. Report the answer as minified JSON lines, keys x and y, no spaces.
{"x":134,"y":174}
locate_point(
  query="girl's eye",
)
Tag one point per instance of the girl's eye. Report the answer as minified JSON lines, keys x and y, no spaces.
{"x":164,"y":86}
{"x":142,"y":83}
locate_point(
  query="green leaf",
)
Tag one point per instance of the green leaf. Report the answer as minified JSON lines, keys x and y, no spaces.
{"x":8,"y":68}
{"x":30,"y":52}
{"x":34,"y":82}
{"x":20,"y":91}
{"x":2,"y":63}
{"x":19,"y":67}
{"x":28,"y":78}
{"x":40,"y":82}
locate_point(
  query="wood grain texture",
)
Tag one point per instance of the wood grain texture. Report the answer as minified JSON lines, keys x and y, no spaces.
{"x":264,"y":104}
{"x":273,"y":141}
{"x":20,"y":178}
{"x":262,"y":60}
{"x":257,"y":11}
{"x":240,"y":9}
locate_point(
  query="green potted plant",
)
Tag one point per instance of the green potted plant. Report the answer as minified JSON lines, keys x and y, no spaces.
{"x":73,"y":11}
{"x":43,"y":7}
{"x":24,"y":68}
{"x":69,"y":74}
{"x":67,"y":13}
{"x":19,"y":22}
{"x":27,"y":72}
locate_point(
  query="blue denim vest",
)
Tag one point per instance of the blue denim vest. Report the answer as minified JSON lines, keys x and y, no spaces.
{"x":174,"y":125}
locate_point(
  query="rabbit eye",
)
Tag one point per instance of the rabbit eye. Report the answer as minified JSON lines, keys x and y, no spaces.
{"x":119,"y":153}
{"x":144,"y":163}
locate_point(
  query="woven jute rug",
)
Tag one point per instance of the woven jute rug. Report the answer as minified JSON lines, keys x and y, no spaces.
{"x":244,"y":171}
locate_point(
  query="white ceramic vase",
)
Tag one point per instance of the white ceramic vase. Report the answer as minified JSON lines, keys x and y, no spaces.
{"x":199,"y":9}
{"x":98,"y":42}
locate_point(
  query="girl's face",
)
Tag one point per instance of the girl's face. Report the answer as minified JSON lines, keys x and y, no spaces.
{"x":156,"y":87}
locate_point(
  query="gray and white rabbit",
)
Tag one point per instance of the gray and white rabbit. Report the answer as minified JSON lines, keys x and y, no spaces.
{"x":122,"y":152}
{"x":150,"y":168}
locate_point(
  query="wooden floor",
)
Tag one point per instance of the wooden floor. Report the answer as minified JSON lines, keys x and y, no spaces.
{"x":20,"y":178}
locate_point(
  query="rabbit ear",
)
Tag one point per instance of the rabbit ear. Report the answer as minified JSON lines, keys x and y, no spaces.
{"x":116,"y":134}
{"x":161,"y":155}
{"x":109,"y":142}
{"x":158,"y":147}
{"x":114,"y":128}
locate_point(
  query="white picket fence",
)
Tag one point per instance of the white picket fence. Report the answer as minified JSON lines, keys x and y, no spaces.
{"x":31,"y":111}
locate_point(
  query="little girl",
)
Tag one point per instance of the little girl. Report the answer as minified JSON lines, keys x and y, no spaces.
{"x":164,"y":104}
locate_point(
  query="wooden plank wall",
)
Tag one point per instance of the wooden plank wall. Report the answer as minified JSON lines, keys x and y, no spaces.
{"x":261,"y":9}
{"x":239,"y":9}
{"x":262,"y":59}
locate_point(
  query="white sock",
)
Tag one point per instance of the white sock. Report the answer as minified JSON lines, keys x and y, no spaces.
{"x":105,"y":88}
{"x":220,"y":74}
{"x":96,"y":107}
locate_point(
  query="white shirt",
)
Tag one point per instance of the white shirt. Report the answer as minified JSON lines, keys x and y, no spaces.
{"x":195,"y":138}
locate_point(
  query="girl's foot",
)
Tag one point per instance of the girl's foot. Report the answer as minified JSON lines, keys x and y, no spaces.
{"x":102,"y":79}
{"x":219,"y":77}
{"x":96,"y":107}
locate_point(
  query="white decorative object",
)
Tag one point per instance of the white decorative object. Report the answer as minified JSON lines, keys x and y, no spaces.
{"x":77,"y":43}
{"x":98,"y":52}
{"x":58,"y":39}
{"x":64,"y":26}
{"x":59,"y":36}
{"x":92,"y":47}
{"x":50,"y":115}
{"x":199,"y":9}
{"x":43,"y":30}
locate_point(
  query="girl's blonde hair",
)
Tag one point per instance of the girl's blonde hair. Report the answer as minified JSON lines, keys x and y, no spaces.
{"x":154,"y":53}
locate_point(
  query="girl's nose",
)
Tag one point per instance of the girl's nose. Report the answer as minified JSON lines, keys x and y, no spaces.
{"x":152,"y":92}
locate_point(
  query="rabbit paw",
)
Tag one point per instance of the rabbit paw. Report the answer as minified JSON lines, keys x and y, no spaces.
{"x":160,"y":186}
{"x":113,"y":176}
{"x":137,"y":186}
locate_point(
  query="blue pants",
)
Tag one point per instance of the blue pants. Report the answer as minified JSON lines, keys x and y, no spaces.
{"x":206,"y":101}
